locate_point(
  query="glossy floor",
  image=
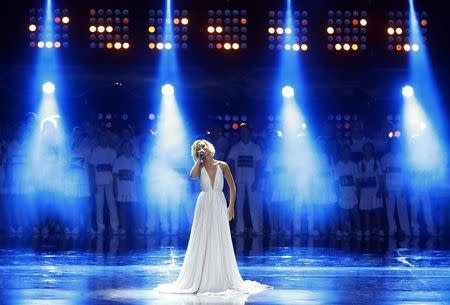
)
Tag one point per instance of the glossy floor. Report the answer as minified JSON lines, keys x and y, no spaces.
{"x":116,"y":270}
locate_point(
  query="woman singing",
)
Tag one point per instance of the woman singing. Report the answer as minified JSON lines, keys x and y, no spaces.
{"x":210,"y":265}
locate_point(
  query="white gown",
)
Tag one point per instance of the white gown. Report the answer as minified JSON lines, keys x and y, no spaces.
{"x":209,"y":265}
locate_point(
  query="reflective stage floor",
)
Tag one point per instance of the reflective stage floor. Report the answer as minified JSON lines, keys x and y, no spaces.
{"x":116,"y":270}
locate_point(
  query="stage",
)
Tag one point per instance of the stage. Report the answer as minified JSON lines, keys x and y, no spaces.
{"x":61,"y":270}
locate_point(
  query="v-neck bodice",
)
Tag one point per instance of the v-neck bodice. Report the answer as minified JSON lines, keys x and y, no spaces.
{"x":207,"y":183}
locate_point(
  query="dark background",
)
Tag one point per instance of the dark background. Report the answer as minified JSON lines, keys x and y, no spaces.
{"x":367,"y":83}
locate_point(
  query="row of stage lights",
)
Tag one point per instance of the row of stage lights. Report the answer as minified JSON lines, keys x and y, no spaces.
{"x":283,"y":36}
{"x":343,"y":122}
{"x":158,"y":40}
{"x":41,"y":37}
{"x":398,"y":31}
{"x":347,"y":30}
{"x":109,"y":29}
{"x":226,"y":30}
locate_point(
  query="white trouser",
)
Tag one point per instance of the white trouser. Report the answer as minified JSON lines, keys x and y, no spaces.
{"x":423,"y":198}
{"x":255,"y":206}
{"x":168,"y":215}
{"x":297,"y":225}
{"x":102,"y":191}
{"x":396,"y":199}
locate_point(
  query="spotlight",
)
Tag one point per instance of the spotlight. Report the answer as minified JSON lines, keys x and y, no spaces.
{"x":288,"y":37}
{"x":408,"y":91}
{"x":167,"y":90}
{"x":48,"y":31}
{"x":168,"y":35}
{"x":347,"y":30}
{"x":48,"y":88}
{"x":287,"y":91}
{"x":109,"y":28}
{"x":399,"y":32}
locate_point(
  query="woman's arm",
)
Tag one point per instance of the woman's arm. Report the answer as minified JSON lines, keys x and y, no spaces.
{"x":195,"y":170}
{"x":229,"y":178}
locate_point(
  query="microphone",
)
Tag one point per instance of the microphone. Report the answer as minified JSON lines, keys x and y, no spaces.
{"x":201,"y":153}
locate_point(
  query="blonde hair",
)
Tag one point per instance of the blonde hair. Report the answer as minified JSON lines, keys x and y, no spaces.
{"x":198,"y":142}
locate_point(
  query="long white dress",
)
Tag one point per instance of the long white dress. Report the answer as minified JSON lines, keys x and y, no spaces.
{"x":209,"y":265}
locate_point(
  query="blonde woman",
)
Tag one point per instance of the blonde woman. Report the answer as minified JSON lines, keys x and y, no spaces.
{"x":210,"y":265}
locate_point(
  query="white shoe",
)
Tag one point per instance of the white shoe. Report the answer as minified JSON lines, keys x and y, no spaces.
{"x":100,"y":231}
{"x":67,"y":231}
{"x":12,"y":230}
{"x":115,"y":232}
{"x":366,"y":233}
{"x":339,"y":233}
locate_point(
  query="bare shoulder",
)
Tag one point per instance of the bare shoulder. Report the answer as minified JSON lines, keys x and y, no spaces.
{"x":223,"y":165}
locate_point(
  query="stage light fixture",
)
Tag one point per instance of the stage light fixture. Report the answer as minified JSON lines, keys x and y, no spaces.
{"x":347,"y":30}
{"x":109,"y":28}
{"x":227,"y":29}
{"x":399,"y":34}
{"x":287,"y":91}
{"x":407,"y":91}
{"x":48,"y":88}
{"x":41,"y":36}
{"x":167,"y":90}
{"x":288,"y":37}
{"x":157,"y":31}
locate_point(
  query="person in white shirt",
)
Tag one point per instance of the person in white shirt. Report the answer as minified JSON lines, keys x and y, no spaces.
{"x":346,"y":172}
{"x":392,"y":164}
{"x":102,"y":160}
{"x":303,"y":168}
{"x":421,"y":180}
{"x":152,"y":223}
{"x":371,"y":195}
{"x":126,"y":172}
{"x":21,"y":184}
{"x":245,"y":159}
{"x":128,"y":135}
{"x":221,"y":143}
{"x":281,"y":195}
{"x":357,"y":140}
{"x":77,"y":186}
{"x":323,"y":188}
{"x":50,"y":161}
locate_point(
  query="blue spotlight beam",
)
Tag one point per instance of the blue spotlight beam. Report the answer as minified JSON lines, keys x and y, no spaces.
{"x":424,"y":121}
{"x":422,"y":76}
